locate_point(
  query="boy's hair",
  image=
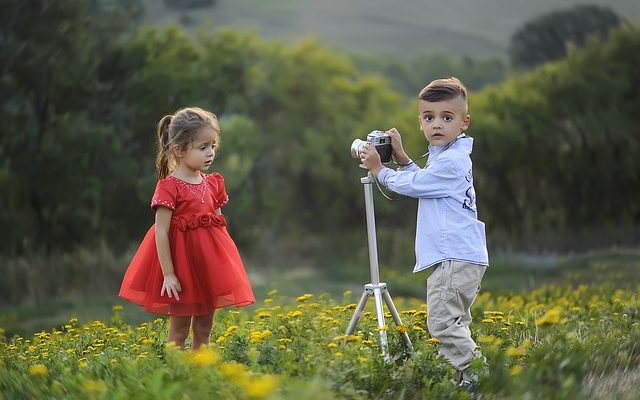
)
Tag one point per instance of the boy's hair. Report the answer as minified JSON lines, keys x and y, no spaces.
{"x":179,"y":129}
{"x":443,"y":89}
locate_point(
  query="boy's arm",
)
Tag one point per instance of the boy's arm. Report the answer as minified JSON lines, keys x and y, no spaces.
{"x":433,"y":182}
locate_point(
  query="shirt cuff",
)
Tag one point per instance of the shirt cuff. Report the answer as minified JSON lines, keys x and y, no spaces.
{"x":383,"y":175}
{"x":405,"y":166}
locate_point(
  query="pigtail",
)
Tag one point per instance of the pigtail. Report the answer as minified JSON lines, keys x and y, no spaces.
{"x":162,"y":159}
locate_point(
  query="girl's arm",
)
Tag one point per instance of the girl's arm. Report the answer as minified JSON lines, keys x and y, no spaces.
{"x":171,"y":285}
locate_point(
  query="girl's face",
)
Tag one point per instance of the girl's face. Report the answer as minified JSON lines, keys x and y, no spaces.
{"x":442,"y":121}
{"x":200,"y":153}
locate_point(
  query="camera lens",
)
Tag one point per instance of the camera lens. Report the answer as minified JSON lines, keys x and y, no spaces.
{"x":356,"y":147}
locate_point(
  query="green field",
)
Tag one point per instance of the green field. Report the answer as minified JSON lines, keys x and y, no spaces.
{"x":557,"y":341}
{"x":479,"y":27}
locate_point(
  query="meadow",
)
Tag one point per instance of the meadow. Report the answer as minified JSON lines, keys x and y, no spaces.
{"x":573,"y":336}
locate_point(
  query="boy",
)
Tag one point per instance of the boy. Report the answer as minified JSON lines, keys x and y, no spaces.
{"x":449,"y":237}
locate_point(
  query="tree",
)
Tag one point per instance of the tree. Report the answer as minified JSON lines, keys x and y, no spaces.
{"x":545,"y":38}
{"x":56,"y":140}
{"x":556,"y":154}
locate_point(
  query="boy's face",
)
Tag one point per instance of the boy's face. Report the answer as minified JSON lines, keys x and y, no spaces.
{"x":441,"y":121}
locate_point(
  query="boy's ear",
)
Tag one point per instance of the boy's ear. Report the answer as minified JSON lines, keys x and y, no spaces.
{"x":419,"y":122}
{"x":465,"y":122}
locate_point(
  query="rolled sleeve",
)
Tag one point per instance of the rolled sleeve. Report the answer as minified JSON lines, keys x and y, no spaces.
{"x":433,"y":182}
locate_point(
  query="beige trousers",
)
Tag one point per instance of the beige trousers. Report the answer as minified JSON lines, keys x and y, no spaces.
{"x":452,"y":288}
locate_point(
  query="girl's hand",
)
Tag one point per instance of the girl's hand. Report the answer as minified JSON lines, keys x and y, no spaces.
{"x":396,"y":146}
{"x":371,"y":159}
{"x":171,"y":286}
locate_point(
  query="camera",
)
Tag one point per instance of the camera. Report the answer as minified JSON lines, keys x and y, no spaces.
{"x":380,"y":140}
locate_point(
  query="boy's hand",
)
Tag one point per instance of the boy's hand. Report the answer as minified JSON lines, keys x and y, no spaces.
{"x":396,"y":146}
{"x":171,"y":286}
{"x":371,"y":159}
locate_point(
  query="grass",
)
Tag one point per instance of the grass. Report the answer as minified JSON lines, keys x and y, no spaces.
{"x":553,"y":342}
{"x":508,"y":274}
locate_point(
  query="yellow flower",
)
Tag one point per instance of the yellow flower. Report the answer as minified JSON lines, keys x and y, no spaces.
{"x":230,"y":330}
{"x":338,"y":354}
{"x":204,"y":356}
{"x":487,"y":321}
{"x":551,"y":317}
{"x":294,"y":314}
{"x":232,"y":370}
{"x":417,"y":328}
{"x":261,"y":386}
{"x":267,"y":301}
{"x":433,"y":341}
{"x":515,"y":370}
{"x":116,"y":308}
{"x":259,"y":336}
{"x":304,"y":297}
{"x":515,"y":351}
{"x":402,"y":328}
{"x":94,"y":386}
{"x":332,"y":345}
{"x":383,"y":328}
{"x":273,"y":292}
{"x":38,"y":370}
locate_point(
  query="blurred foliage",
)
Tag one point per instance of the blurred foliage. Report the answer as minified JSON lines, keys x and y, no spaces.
{"x":87,"y":90}
{"x":557,"y":149}
{"x":546,"y":38}
{"x":409,"y":75}
{"x":188,"y":4}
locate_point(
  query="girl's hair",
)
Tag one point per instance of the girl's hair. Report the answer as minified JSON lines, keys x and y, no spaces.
{"x":179,"y":129}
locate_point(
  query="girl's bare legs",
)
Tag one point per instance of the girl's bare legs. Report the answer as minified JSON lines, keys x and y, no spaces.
{"x":178,"y":330}
{"x":201,"y":330}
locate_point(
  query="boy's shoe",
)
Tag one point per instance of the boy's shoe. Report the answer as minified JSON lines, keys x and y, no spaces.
{"x":466,"y":379}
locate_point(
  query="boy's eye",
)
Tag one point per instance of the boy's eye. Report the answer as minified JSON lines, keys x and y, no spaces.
{"x":428,"y":118}
{"x":448,"y":118}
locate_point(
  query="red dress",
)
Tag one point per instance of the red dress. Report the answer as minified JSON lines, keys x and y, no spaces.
{"x":205,"y":258}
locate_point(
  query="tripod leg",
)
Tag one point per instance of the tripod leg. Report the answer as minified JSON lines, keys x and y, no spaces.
{"x":358,"y":312}
{"x":381,"y":325}
{"x":396,"y":318}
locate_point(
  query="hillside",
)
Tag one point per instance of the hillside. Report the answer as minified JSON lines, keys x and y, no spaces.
{"x":478,"y":27}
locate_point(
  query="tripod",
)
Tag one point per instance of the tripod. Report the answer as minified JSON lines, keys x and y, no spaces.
{"x":376,"y":288}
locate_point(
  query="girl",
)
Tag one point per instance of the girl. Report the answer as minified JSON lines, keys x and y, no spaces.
{"x":187,"y":264}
